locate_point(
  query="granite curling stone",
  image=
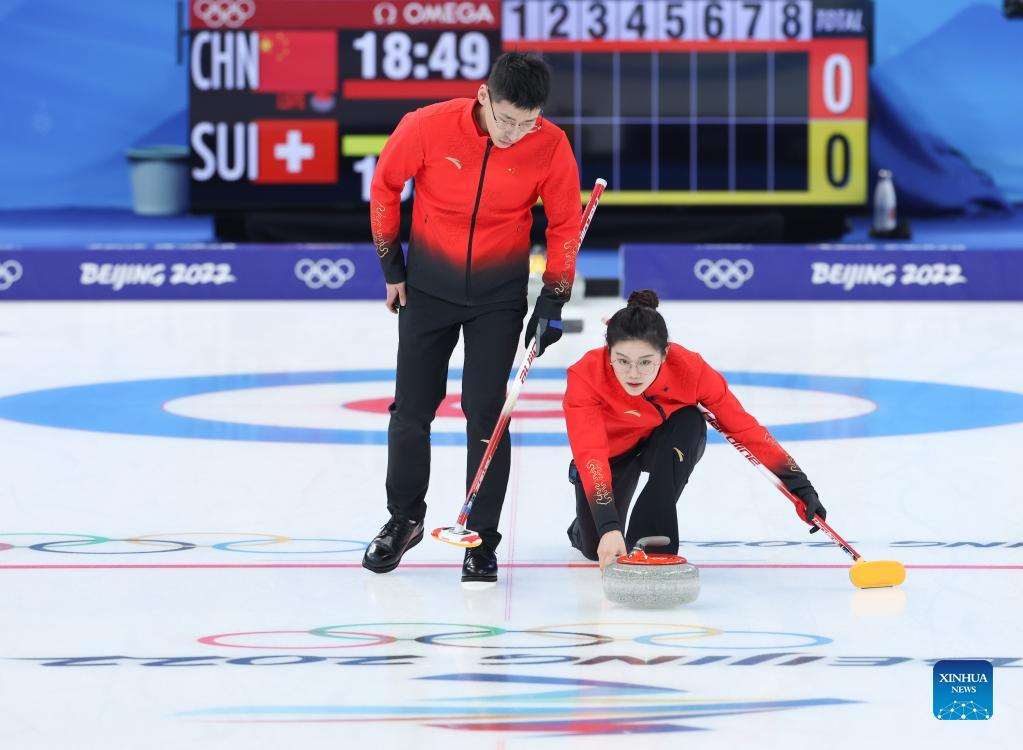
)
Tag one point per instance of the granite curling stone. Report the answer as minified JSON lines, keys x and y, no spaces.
{"x":648,"y":581}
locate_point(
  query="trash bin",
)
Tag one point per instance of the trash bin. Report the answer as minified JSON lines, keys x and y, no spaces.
{"x":159,"y":180}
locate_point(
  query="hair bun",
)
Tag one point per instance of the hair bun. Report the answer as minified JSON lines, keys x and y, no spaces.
{"x":644,"y":298}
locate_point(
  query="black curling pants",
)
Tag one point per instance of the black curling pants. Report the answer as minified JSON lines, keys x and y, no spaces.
{"x":669,"y":455}
{"x":428,"y":330}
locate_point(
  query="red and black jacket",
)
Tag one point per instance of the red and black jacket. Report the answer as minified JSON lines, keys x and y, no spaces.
{"x":604,"y":421}
{"x":471,"y":213}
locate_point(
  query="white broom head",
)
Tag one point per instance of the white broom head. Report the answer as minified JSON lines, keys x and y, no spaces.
{"x":459,"y":536}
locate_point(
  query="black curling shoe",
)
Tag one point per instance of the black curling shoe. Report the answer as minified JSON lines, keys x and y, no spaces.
{"x":575,"y":538}
{"x":480,"y":564}
{"x":397,"y":537}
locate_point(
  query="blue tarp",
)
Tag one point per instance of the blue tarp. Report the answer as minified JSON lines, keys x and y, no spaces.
{"x":930,"y":176}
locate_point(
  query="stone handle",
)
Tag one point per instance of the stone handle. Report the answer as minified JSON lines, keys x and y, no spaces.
{"x":651,"y":541}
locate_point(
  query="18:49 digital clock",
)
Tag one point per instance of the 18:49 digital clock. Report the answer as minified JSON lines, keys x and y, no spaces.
{"x":399,"y":55}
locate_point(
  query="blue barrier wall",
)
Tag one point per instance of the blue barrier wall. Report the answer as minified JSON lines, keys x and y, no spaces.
{"x":82,"y":81}
{"x":682,"y":272}
{"x":823,"y":272}
{"x":178,"y":272}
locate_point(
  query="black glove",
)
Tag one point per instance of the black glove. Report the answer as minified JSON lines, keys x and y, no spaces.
{"x":545,"y":330}
{"x":811,"y":507}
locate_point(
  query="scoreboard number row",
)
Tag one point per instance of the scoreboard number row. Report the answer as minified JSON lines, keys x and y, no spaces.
{"x":657,"y":20}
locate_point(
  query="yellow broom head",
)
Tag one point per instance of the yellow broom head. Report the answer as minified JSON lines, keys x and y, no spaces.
{"x":877,"y":573}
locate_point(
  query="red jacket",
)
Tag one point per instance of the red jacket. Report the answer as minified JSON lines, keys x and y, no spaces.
{"x":604,"y":421}
{"x":471,"y":213}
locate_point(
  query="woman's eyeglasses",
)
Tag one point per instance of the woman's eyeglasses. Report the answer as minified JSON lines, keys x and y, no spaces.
{"x":643,"y":366}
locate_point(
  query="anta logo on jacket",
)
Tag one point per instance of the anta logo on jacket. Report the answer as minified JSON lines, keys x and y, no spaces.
{"x":471,"y":213}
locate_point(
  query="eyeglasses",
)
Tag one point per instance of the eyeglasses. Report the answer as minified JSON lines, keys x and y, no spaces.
{"x":509,"y":126}
{"x":644,"y":366}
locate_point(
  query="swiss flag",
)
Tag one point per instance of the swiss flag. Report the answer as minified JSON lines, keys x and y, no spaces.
{"x":297,"y":151}
{"x":302,"y":61}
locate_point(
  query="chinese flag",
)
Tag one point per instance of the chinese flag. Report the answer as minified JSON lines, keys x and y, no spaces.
{"x":297,"y":151}
{"x":297,"y":61}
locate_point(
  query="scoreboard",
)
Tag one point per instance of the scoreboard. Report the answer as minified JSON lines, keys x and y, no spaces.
{"x":755,"y":102}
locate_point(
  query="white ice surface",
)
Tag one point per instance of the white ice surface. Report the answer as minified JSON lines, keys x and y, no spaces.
{"x":284,"y":509}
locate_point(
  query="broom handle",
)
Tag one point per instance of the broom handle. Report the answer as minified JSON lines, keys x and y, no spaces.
{"x":513,"y":393}
{"x":773,"y":479}
{"x":495,"y":436}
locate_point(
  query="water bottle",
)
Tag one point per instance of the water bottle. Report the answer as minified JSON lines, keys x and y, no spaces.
{"x":884,"y":202}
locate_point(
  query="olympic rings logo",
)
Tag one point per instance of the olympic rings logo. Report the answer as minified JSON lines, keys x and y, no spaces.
{"x":230,"y":13}
{"x":317,"y":274}
{"x":267,"y":544}
{"x":10,"y":272}
{"x":494,"y":638}
{"x":723,"y":273}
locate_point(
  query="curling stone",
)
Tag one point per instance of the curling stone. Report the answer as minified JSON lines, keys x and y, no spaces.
{"x":651,"y":581}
